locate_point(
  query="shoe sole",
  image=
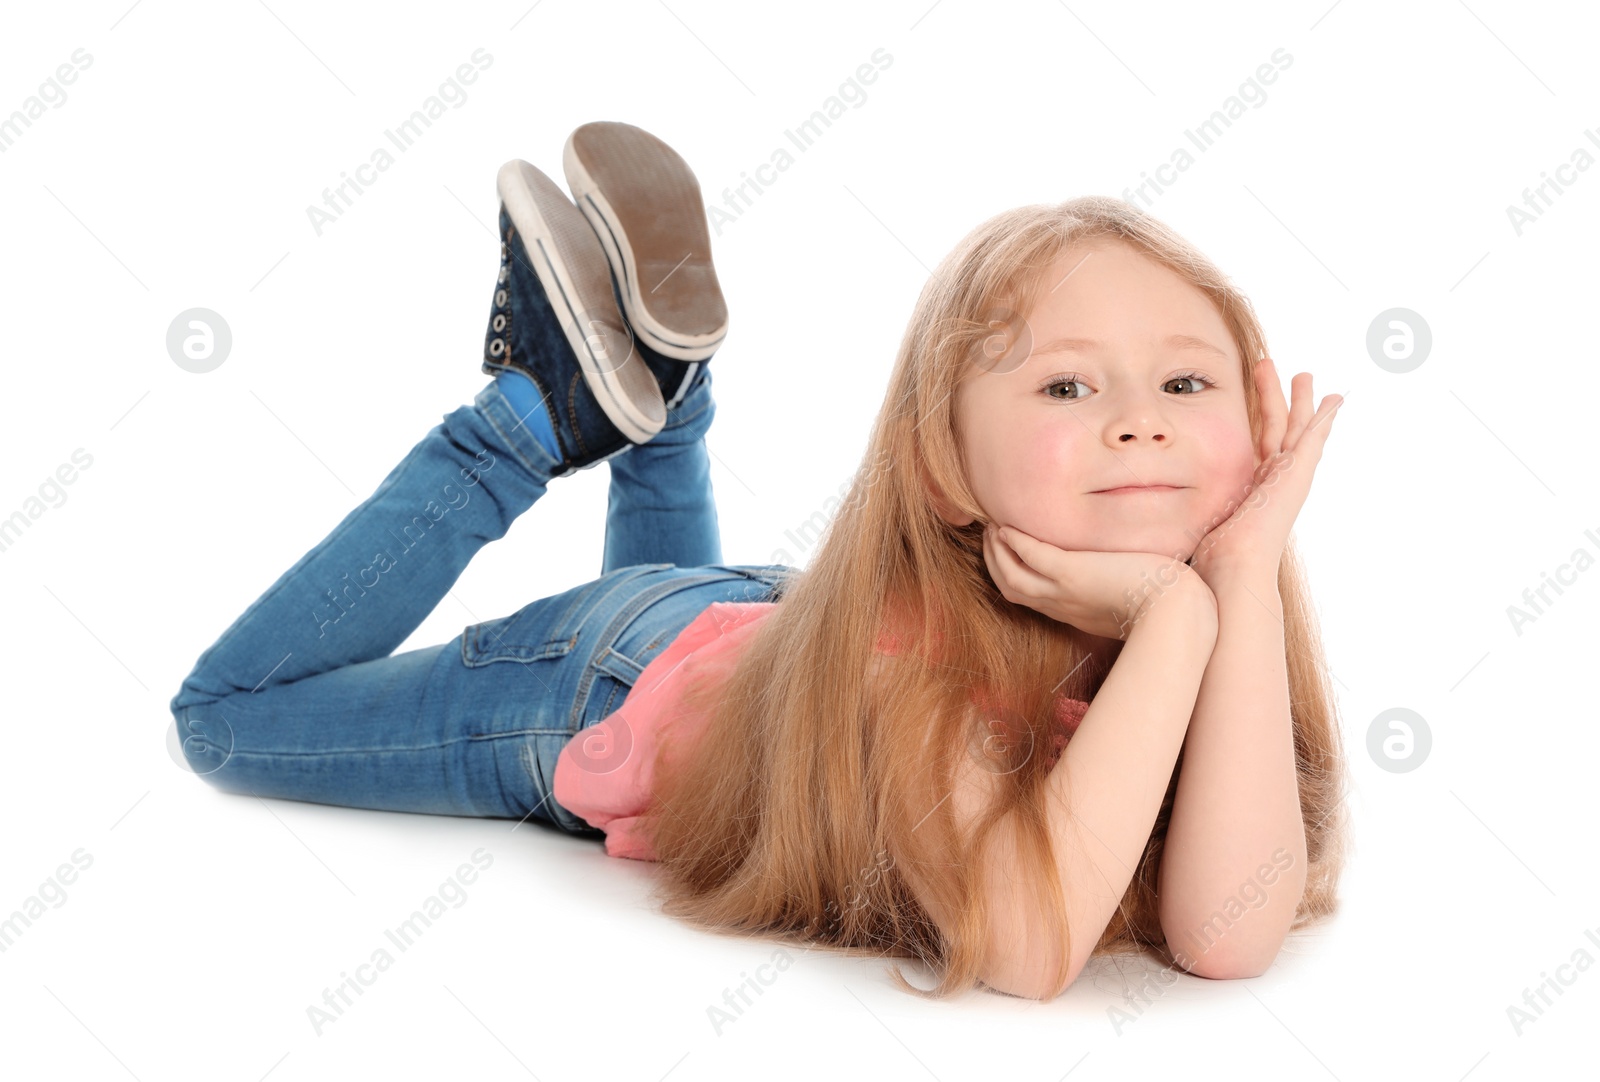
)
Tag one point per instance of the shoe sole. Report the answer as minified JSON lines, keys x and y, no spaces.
{"x":572,"y":268}
{"x":645,"y":206}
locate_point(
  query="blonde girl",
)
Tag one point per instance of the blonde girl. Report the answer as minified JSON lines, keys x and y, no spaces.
{"x":857,"y":798}
{"x":1050,"y":686}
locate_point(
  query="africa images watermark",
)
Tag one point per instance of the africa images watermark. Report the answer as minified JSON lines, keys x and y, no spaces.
{"x":1566,"y":575}
{"x":736,"y":999}
{"x":1251,"y":895}
{"x":1252,"y":92}
{"x":403,"y":136}
{"x":811,"y":531}
{"x":52,"y":892}
{"x":386,"y":559}
{"x":1566,"y":176}
{"x":48,"y":495}
{"x":851,"y":92}
{"x":51,"y":92}
{"x":404,"y":936}
{"x":1537,"y":998}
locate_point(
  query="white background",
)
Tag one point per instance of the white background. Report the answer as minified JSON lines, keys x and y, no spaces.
{"x":1376,"y":174}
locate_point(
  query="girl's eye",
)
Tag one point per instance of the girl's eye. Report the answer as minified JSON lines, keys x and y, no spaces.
{"x":1192,"y":377}
{"x":1068,"y":381}
{"x":1064,"y":381}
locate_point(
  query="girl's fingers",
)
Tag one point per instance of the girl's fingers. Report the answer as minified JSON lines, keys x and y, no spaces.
{"x":1320,"y":425}
{"x":1274,"y":411}
{"x":1009,"y":573}
{"x":1020,"y":554}
{"x":1300,"y":412}
{"x":999,"y":562}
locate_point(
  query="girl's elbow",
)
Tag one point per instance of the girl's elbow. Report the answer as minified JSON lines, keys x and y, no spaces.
{"x":1231,"y":965}
{"x":1030,"y":974}
{"x":1032,"y":985}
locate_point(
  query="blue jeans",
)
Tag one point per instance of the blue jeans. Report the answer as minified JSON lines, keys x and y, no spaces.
{"x":303,"y":699}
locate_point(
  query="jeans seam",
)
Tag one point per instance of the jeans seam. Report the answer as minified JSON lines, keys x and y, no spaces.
{"x":282,"y":583}
{"x":614,"y":631}
{"x":505,"y":437}
{"x":530,"y":765}
{"x":402,"y":749}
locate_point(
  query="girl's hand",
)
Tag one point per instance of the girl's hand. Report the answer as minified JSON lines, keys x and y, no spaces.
{"x":1250,"y":542}
{"x":1102,"y":593}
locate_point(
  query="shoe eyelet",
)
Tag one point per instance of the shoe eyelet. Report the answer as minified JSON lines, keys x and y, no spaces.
{"x":499,"y":322}
{"x":505,"y":272}
{"x":505,"y":252}
{"x":496,"y":347}
{"x":500,"y":298}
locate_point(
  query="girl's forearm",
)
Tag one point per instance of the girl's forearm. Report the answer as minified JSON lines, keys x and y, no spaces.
{"x":1107,"y":789}
{"x":1234,"y":865}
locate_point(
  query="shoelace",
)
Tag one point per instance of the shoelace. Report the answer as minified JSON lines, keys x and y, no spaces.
{"x":502,"y":315}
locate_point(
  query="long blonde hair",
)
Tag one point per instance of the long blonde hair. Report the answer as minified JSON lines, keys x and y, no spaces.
{"x":815,"y":780}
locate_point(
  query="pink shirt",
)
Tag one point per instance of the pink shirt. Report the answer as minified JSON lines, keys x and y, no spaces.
{"x":606,"y":773}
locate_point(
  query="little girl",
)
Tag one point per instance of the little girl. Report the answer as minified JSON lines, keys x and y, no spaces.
{"x":1051,"y":685}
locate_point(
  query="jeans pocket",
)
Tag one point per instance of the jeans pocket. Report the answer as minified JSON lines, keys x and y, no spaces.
{"x":498,"y":640}
{"x":548,"y":628}
{"x":587,"y":647}
{"x":666,"y":603}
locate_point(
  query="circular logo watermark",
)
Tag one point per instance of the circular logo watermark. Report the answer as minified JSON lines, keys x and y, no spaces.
{"x":1007,"y":344}
{"x":608,"y":339}
{"x":1399,"y":740}
{"x":200,"y":745}
{"x":199,"y":340}
{"x":1399,"y":340}
{"x":604,"y":747}
{"x":1004,"y":748}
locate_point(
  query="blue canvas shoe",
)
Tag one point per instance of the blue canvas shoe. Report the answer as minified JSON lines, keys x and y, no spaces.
{"x":555,"y":320}
{"x":677,"y":379}
{"x":644,"y":204}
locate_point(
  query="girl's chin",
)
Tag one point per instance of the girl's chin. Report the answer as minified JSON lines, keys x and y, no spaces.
{"x":1166,"y":542}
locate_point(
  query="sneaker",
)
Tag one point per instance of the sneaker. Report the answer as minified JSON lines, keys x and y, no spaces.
{"x":675,"y":378}
{"x":555,"y":320}
{"x":645,"y":206}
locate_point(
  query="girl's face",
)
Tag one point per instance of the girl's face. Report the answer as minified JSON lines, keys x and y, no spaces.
{"x":1131,"y":379}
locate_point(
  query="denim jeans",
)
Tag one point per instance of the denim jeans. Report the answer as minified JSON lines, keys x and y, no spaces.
{"x":303,"y":699}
